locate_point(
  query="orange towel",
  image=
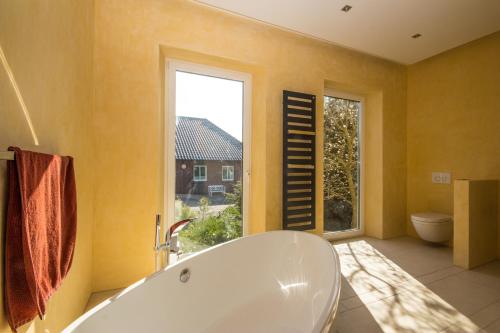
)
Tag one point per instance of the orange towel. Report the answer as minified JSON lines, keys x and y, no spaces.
{"x":40,"y":231}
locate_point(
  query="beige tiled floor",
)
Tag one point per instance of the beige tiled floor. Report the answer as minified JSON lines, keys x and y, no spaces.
{"x":406,"y":285}
{"x":99,"y":297}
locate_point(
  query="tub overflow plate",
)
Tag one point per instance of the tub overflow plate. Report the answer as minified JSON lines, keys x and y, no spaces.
{"x":185,"y":275}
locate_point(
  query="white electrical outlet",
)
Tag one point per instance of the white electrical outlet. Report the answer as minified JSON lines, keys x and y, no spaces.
{"x":441,"y":178}
{"x":436,"y":177}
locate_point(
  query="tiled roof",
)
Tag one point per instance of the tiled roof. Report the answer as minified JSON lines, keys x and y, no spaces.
{"x":200,"y":139}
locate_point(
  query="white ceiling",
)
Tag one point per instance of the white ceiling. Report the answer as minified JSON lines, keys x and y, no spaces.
{"x":379,"y":27}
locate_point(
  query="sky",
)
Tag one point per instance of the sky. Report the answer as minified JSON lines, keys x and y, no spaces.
{"x":218,"y":100}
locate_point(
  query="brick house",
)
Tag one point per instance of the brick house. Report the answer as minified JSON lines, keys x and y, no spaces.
{"x":206,"y":157}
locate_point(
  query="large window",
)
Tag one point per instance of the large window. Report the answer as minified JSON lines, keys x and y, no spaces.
{"x":200,"y":173}
{"x":207,"y":157}
{"x":227,"y":173}
{"x":342,"y":156}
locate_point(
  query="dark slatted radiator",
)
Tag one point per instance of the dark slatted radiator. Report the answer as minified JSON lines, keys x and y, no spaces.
{"x":299,"y":139}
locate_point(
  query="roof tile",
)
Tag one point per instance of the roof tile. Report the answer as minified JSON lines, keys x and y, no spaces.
{"x":200,"y":139}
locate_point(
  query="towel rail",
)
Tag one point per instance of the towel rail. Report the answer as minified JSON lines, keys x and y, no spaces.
{"x":7,"y":155}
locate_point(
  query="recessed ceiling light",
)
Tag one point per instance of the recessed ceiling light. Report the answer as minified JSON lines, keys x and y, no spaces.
{"x":415,"y":36}
{"x":346,"y":8}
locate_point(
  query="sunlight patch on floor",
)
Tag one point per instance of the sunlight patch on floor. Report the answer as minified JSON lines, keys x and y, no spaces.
{"x":396,"y":300}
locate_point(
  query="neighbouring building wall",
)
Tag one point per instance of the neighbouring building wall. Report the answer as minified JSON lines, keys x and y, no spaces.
{"x":453,"y":122}
{"x":132,"y":40}
{"x":49,"y":48}
{"x":184,"y":183}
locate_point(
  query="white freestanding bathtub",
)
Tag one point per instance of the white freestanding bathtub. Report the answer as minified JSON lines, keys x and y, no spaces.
{"x":280,"y":281}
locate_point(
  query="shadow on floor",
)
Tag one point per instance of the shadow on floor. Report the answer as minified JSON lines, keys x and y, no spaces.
{"x":405,"y":285}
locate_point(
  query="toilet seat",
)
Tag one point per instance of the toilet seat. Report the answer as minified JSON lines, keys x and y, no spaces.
{"x":430,"y":217}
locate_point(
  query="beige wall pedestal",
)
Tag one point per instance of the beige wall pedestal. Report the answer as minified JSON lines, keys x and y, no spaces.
{"x":475,"y":222}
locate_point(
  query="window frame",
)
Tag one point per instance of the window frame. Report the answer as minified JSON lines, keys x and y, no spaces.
{"x":200,"y":166}
{"x":350,"y":233}
{"x":169,"y":119}
{"x":231,"y":167}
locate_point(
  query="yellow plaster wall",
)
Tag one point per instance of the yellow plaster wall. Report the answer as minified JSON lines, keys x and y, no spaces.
{"x":453,"y":122}
{"x":49,"y":48}
{"x":133,"y":37}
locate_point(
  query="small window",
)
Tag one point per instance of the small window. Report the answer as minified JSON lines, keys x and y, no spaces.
{"x":200,"y":173}
{"x":227,"y":173}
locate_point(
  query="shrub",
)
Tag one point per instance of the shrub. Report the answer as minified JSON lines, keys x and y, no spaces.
{"x":212,"y":230}
{"x":204,"y":202}
{"x":186,"y":212}
{"x":235,"y":197}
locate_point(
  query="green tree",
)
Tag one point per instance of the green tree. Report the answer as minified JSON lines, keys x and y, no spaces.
{"x":341,"y":151}
{"x":204,"y":202}
{"x":235,"y":198}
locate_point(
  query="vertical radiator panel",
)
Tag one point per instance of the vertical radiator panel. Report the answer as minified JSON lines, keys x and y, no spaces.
{"x":299,"y":161}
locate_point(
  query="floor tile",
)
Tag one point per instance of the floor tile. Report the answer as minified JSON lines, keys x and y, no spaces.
{"x":487,"y":315}
{"x":358,"y":320}
{"x":486,"y":275}
{"x":417,"y":310}
{"x":466,"y":296}
{"x":395,"y":245}
{"x":99,"y":297}
{"x":346,"y":290}
{"x":342,"y":308}
{"x":460,"y":329}
{"x":493,"y":328}
{"x":418,"y":262}
{"x":439,"y":274}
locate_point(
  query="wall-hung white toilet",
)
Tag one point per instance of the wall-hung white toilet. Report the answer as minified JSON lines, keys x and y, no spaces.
{"x":433,"y":227}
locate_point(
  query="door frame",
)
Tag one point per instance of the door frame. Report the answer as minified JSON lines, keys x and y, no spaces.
{"x":334,"y":235}
{"x":171,"y":67}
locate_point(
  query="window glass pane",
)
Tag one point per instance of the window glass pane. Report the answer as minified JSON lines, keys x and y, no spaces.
{"x":341,"y":164}
{"x":228,"y":173}
{"x":200,"y":172}
{"x":209,"y":133}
